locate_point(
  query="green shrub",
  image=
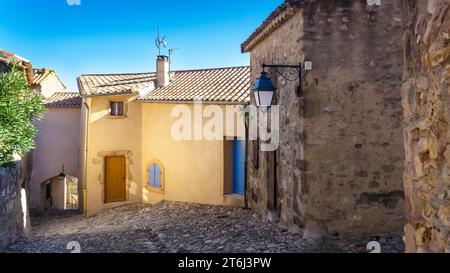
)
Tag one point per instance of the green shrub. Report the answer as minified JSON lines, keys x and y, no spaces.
{"x":19,"y":105}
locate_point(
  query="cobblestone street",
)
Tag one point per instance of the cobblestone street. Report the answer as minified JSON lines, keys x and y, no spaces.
{"x":177,"y":227}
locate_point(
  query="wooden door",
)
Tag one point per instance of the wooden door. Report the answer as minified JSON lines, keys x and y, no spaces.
{"x":115,"y":179}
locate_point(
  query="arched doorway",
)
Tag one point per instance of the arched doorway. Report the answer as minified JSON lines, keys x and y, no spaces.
{"x":60,"y":193}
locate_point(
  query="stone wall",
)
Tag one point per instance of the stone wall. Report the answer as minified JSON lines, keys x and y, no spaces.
{"x":426,"y":103}
{"x":11,"y":212}
{"x":267,"y":188}
{"x":339,"y":164}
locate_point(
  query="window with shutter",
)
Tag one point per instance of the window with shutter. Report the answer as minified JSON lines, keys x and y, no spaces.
{"x":156,"y":177}
{"x":116,"y":108}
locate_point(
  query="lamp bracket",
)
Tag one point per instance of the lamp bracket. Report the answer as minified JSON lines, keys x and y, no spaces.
{"x":293,"y":73}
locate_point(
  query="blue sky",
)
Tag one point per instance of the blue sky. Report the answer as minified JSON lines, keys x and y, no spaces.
{"x":102,"y":36}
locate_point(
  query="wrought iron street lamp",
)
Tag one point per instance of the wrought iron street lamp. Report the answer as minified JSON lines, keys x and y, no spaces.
{"x":264,"y":88}
{"x":62,"y":175}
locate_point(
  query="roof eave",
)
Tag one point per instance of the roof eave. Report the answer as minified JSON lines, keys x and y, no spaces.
{"x":109,"y":94}
{"x":70,"y":107}
{"x":192,"y":102}
{"x":277,"y":18}
{"x":59,"y":79}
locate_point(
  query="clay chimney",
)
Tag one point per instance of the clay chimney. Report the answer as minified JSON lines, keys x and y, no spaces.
{"x":162,"y":71}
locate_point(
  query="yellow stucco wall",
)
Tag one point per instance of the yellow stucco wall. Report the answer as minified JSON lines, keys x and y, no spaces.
{"x":57,"y":144}
{"x":110,"y":136}
{"x":194,"y":170}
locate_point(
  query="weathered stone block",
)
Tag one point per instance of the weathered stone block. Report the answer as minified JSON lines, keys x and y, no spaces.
{"x":439,"y":57}
{"x":352,"y":116}
{"x":11,"y":214}
{"x":409,"y":239}
{"x":431,"y":176}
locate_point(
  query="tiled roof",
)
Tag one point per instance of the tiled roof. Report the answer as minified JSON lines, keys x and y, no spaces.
{"x":63,"y":100}
{"x":40,"y":74}
{"x":108,"y":84}
{"x":219,"y":85}
{"x":8,"y":58}
{"x":278,"y":17}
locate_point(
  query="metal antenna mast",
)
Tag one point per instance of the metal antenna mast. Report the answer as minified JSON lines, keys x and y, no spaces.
{"x":171,"y":51}
{"x":160,"y":42}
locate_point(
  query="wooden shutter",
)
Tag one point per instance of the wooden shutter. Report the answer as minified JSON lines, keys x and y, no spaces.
{"x":154,"y":176}
{"x":157,"y":176}
{"x":113,"y":108}
{"x":119,"y":108}
{"x":151,"y":176}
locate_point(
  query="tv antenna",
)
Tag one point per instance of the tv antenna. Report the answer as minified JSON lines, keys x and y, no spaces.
{"x":171,"y":51}
{"x":160,"y":42}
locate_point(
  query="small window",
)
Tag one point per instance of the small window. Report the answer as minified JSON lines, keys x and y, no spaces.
{"x":116,"y":109}
{"x":156,"y":177}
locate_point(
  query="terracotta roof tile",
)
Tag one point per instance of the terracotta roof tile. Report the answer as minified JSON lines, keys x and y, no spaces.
{"x":40,"y":74}
{"x":64,"y":100}
{"x":108,"y":84}
{"x":8,"y":58}
{"x":218,"y":85}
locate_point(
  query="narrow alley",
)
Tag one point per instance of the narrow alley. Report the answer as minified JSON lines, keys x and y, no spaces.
{"x":177,"y":227}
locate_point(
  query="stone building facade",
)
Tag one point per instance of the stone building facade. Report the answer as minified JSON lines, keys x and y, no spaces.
{"x":339,"y":165}
{"x":426,"y":104}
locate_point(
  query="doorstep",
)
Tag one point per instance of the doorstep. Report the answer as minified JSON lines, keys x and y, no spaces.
{"x":235,"y":199}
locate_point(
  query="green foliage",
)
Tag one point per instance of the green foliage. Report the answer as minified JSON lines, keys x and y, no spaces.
{"x":18,"y":107}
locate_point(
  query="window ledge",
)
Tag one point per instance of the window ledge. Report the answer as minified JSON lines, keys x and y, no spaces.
{"x":117,"y":117}
{"x":155,"y":190}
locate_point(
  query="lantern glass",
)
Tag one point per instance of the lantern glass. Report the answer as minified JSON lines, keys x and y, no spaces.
{"x":264,"y":98}
{"x":264,"y":91}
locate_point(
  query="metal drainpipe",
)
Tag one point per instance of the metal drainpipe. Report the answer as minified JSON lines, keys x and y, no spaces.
{"x":246,"y":121}
{"x":85,"y":158}
{"x":275,"y":182}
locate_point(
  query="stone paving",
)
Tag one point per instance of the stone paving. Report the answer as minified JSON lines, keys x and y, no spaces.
{"x":177,"y":227}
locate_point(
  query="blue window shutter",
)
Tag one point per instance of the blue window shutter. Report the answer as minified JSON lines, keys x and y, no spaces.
{"x":151,"y":176}
{"x":157,"y":177}
{"x":154,"y":176}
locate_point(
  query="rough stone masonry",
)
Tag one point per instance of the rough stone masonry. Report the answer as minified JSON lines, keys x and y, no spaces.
{"x":426,"y":104}
{"x":340,"y":162}
{"x":11,"y":213}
